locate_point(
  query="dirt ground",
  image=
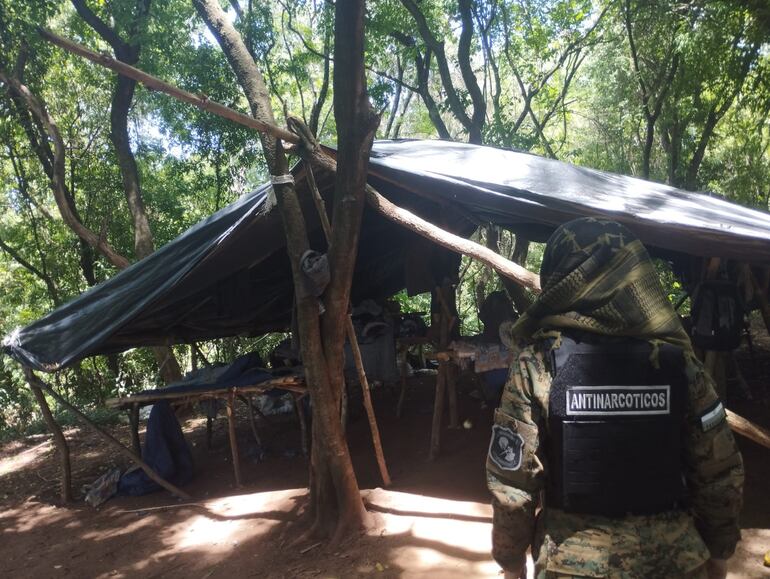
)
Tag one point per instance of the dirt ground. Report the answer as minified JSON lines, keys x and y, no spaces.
{"x":434,"y":521}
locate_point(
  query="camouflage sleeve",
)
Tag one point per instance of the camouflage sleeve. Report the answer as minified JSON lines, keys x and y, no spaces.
{"x":714,"y":468}
{"x":514,"y":469}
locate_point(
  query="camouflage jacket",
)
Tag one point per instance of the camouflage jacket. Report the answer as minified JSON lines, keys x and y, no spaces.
{"x":667,"y":544}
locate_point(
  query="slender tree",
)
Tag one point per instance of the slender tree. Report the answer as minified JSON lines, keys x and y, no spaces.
{"x":336,"y":504}
{"x":128,"y":50}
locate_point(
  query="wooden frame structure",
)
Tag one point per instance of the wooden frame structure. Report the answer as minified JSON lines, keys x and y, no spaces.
{"x":293,"y":384}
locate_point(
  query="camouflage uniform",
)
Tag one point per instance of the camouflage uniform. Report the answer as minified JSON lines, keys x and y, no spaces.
{"x":670,"y":544}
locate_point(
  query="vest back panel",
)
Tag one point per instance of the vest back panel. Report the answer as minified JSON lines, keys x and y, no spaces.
{"x":615,"y":424}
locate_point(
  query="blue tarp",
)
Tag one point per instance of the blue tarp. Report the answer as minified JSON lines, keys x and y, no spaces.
{"x":165,"y":450}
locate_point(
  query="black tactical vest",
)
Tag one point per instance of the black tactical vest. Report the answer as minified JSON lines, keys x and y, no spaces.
{"x":615,"y":424}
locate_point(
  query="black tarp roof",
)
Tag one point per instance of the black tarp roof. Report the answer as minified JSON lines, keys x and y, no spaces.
{"x":229,"y":274}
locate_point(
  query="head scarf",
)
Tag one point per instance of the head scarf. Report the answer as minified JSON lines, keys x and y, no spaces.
{"x":598,"y":277}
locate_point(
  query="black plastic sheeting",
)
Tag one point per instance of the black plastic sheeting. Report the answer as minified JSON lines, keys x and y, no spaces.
{"x":229,"y":274}
{"x":527,"y":192}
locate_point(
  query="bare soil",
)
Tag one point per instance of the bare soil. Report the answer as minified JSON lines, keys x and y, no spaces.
{"x":435,"y":521}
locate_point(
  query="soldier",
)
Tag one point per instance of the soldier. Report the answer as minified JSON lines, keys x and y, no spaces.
{"x":610,"y":454}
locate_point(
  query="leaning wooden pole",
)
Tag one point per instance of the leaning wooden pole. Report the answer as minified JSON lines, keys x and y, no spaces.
{"x":397,"y":214}
{"x":387,"y":209}
{"x":368,"y":404}
{"x":453,"y":242}
{"x":449,"y":366}
{"x":60,"y":441}
{"x":154,"y":83}
{"x":233,"y":438}
{"x":111,"y":440}
{"x":351,"y":333}
{"x":748,"y":429}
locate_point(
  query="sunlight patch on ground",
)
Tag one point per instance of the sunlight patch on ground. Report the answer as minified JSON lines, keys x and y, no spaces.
{"x":427,"y":562}
{"x":459,"y":525}
{"x":29,"y":516}
{"x":221,"y":525}
{"x":453,"y":535}
{"x":426,"y":504}
{"x":128,"y":528}
{"x":202,"y":531}
{"x":24,"y":459}
{"x":748,"y":561}
{"x":252,"y":504}
{"x":435,"y":537}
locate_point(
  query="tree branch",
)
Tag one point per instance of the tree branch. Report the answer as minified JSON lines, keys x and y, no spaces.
{"x":101,"y":27}
{"x":385,"y":207}
{"x":469,"y":77}
{"x":423,"y":71}
{"x":437,"y":47}
{"x":21,"y":181}
{"x":200,"y":101}
{"x":46,"y":279}
{"x":58,"y":177}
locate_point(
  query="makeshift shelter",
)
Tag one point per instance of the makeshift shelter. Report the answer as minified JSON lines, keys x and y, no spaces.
{"x":230,"y":275}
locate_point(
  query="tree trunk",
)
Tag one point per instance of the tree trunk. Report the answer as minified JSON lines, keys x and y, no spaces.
{"x":122,"y":96}
{"x":61,"y":444}
{"x":335,"y":498}
{"x":423,"y":73}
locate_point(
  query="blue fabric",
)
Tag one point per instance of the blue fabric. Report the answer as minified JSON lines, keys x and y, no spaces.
{"x":243,"y":371}
{"x":165,"y":450}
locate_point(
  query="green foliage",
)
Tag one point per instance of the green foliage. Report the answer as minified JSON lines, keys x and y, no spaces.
{"x":675,"y":291}
{"x":557,"y":78}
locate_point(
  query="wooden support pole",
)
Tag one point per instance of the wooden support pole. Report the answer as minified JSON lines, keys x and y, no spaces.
{"x":402,"y":372}
{"x":451,"y":379}
{"x":233,"y":437}
{"x":438,"y":412}
{"x":59,"y":440}
{"x":450,"y":374}
{"x":133,"y":418}
{"x":747,"y":428}
{"x":319,"y":202}
{"x":368,"y":405}
{"x":252,"y":421}
{"x":446,"y":321}
{"x":209,"y":431}
{"x":344,"y":407}
{"x":353,"y":340}
{"x":111,"y":440}
{"x":712,"y":359}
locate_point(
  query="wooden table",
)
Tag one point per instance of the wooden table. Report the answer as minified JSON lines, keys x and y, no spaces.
{"x":294,"y":383}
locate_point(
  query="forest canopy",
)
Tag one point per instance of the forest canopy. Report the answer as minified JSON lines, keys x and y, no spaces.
{"x":96,"y":171}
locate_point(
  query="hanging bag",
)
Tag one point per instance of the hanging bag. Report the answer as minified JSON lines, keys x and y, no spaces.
{"x":717,"y":316}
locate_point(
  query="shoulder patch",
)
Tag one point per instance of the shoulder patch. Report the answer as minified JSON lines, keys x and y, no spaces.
{"x":505,"y":449}
{"x":713,"y":416}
